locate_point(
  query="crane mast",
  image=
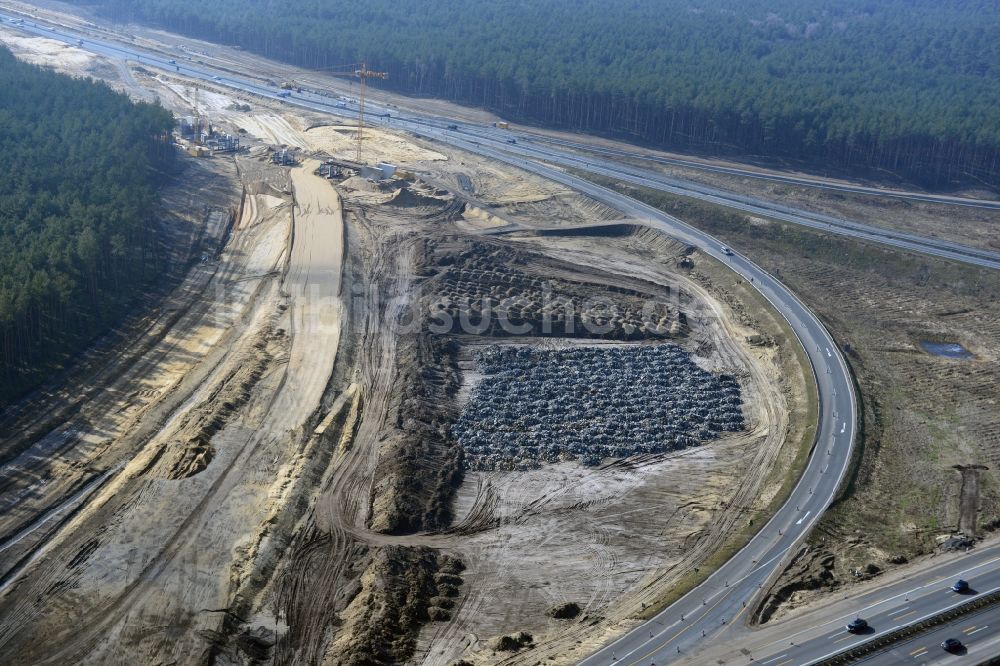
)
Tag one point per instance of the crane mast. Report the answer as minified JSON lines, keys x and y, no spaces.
{"x":362,"y":73}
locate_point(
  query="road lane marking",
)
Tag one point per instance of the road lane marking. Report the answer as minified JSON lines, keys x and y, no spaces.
{"x":919,"y":652}
{"x":883,"y":633}
{"x":799,"y":521}
{"x":845,"y":638}
{"x":828,"y":352}
{"x":875,"y":604}
{"x":788,"y":661}
{"x":780,"y":656}
{"x":975,"y":631}
{"x":646,"y":656}
{"x":741,"y":611}
{"x":843,"y":428}
{"x":900,"y":617}
{"x":724,"y":593}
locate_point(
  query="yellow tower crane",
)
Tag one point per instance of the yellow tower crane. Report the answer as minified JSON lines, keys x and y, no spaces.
{"x":363,"y":74}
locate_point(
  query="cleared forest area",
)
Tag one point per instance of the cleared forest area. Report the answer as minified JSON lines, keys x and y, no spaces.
{"x":895,"y":87}
{"x":268,"y":472}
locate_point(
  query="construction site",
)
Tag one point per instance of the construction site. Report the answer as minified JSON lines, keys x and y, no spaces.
{"x":375,"y":420}
{"x":398,"y":402}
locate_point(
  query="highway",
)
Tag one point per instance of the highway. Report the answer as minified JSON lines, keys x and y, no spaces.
{"x":717,"y":607}
{"x":827,"y":223}
{"x":977,"y":633}
{"x":765,"y":175}
{"x":698,"y":617}
{"x":912,"y":595}
{"x":538,"y":148}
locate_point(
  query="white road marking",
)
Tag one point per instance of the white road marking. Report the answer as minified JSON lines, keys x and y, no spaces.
{"x":843,"y":428}
{"x":799,"y":521}
{"x":888,"y":631}
{"x":875,"y":604}
{"x":985,"y":626}
{"x":782,"y":656}
{"x":828,"y":352}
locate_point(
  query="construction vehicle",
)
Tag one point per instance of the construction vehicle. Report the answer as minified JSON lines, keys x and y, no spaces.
{"x":287,"y":85}
{"x":501,"y":125}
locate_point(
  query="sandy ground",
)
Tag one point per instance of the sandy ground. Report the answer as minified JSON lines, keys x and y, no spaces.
{"x":250,"y":365}
{"x":313,"y":285}
{"x":124,"y":517}
{"x":47,"y":52}
{"x":926,"y":417}
{"x":229,"y":473}
{"x":616,"y":539}
{"x":115,"y":529}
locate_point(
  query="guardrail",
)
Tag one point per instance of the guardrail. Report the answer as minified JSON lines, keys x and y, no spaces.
{"x":885,"y":641}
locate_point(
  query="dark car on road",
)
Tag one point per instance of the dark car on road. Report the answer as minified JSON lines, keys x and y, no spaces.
{"x":951,"y":645}
{"x":857,"y":625}
{"x":960,"y":586}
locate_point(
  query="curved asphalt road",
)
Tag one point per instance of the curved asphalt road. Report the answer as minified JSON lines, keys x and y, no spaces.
{"x":764,"y":175}
{"x":702,"y":615}
{"x":487,"y":137}
{"x":907,"y":596}
{"x":827,"y":223}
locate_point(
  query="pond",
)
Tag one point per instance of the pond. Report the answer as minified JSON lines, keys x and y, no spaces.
{"x":946,"y":349}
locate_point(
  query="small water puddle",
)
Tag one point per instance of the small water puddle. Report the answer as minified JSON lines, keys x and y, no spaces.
{"x":946,"y":349}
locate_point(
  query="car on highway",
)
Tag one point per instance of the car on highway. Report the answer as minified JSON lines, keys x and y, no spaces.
{"x":726,"y":251}
{"x":857,"y":625}
{"x":511,"y":140}
{"x":453,"y":127}
{"x":951,"y":645}
{"x":960,"y":586}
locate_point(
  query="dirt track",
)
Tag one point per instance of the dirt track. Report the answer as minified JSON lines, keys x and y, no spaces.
{"x":242,"y":373}
{"x":313,"y":286}
{"x":246,"y":466}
